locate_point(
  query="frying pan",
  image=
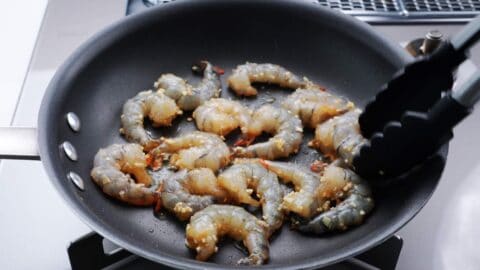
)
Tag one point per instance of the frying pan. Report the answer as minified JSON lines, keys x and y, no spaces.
{"x":334,"y":50}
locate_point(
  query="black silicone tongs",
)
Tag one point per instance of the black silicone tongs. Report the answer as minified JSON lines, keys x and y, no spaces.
{"x":413,"y":114}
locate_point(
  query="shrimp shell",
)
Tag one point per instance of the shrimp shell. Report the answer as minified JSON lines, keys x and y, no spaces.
{"x":313,"y":106}
{"x":176,"y":198}
{"x":158,"y":107}
{"x":207,"y":226}
{"x":340,"y":136}
{"x":245,"y":174}
{"x":244,"y":75}
{"x":286,"y":127}
{"x":356,"y":203}
{"x":304,"y":200}
{"x":189,"y":97}
{"x":111,"y":171}
{"x":222,"y":116}
{"x":194,"y":150}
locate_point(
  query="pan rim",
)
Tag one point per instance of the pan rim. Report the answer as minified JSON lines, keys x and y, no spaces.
{"x":109,"y":35}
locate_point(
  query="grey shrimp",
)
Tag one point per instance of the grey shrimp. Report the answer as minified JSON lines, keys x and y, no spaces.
{"x":176,"y":198}
{"x":154,"y":105}
{"x":304,"y":200}
{"x":244,"y":75}
{"x":207,"y":226}
{"x":189,"y":97}
{"x":286,"y":127}
{"x":112,"y":170}
{"x":221,"y":116}
{"x":340,"y":136}
{"x":245,"y":175}
{"x":313,"y":105}
{"x":355,"y":202}
{"x":193,"y":150}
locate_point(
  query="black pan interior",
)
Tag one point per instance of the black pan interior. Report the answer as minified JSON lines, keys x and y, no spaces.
{"x":342,"y":54}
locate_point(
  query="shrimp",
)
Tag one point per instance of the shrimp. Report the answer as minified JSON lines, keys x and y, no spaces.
{"x":340,"y":136}
{"x":158,"y":107}
{"x":203,"y":181}
{"x":179,"y":200}
{"x":215,"y":221}
{"x":286,"y":127}
{"x":221,"y":116}
{"x":187,"y":96}
{"x":194,"y":150}
{"x":246,"y":174}
{"x":244,"y":75}
{"x":303,"y":201}
{"x":313,"y":106}
{"x":113,"y":168}
{"x":355,"y":202}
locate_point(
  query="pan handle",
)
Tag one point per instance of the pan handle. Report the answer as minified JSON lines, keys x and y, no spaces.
{"x":18,"y":143}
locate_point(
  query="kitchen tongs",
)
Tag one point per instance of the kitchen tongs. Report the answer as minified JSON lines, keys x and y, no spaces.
{"x":413,"y":115}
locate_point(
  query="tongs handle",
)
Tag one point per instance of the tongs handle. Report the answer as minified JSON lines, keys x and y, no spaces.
{"x":468,"y":36}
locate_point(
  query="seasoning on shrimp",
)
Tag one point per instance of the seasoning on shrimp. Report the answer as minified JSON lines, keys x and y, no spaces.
{"x":193,"y":150}
{"x":354,"y":201}
{"x":340,"y":136}
{"x":313,"y":106}
{"x":189,"y":97}
{"x":208,"y":225}
{"x":286,"y":127}
{"x":244,"y":75}
{"x":246,"y":174}
{"x":158,"y":107}
{"x":113,"y":168}
{"x":222,"y":116}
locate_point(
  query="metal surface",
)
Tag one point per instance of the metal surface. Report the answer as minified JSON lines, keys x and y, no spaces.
{"x":73,"y":121}
{"x":468,"y":36}
{"x":137,"y":50}
{"x":77,"y":180}
{"x":18,"y":143}
{"x":468,"y":93}
{"x":69,"y":150}
{"x":406,"y":11}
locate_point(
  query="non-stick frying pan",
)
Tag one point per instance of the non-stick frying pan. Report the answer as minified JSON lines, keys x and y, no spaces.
{"x":332,"y":49}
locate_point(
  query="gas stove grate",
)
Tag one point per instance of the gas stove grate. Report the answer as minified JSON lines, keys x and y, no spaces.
{"x":407,"y":10}
{"x":379,"y":11}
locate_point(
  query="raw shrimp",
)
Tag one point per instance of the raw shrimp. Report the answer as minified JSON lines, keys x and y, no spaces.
{"x":221,"y":116}
{"x":193,"y":150}
{"x":244,"y":75}
{"x":215,"y":221}
{"x":112,"y":170}
{"x":340,"y":136}
{"x":314,"y":106}
{"x":245,"y":174}
{"x":176,"y":198}
{"x":304,"y":200}
{"x":187,"y":96}
{"x":355,"y":202}
{"x":286,"y":127}
{"x":203,"y":181}
{"x":158,"y":107}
